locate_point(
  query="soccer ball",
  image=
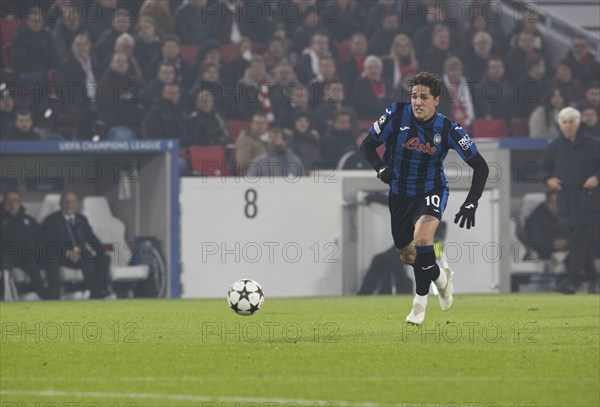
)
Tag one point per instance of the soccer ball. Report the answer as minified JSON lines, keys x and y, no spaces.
{"x":245,"y":297}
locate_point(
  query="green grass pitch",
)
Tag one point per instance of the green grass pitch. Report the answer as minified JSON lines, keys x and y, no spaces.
{"x":496,"y":350}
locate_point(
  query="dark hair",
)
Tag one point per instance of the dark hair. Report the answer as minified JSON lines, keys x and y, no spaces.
{"x":547,"y":104}
{"x":23,"y":111}
{"x":429,"y":80}
{"x":171,"y":38}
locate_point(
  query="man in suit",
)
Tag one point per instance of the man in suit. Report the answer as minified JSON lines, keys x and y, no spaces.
{"x":72,"y":243}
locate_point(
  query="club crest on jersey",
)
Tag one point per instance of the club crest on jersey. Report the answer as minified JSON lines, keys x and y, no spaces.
{"x":415,"y":144}
{"x":437,"y":139}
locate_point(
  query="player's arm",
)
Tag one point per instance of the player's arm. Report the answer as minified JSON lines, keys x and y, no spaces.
{"x":465,"y":147}
{"x":379,"y":133}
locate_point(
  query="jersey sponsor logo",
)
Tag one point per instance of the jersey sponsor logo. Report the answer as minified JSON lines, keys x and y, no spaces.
{"x":437,"y":139}
{"x":415,"y":144}
{"x":465,"y":142}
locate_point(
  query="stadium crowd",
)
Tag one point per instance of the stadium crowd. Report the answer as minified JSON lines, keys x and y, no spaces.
{"x":319,"y":70}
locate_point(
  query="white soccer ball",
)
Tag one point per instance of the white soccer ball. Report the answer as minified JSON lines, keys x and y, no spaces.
{"x":245,"y":297}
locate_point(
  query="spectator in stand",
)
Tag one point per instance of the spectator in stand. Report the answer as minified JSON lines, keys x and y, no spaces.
{"x":121,"y":105}
{"x":160,"y":12}
{"x":592,"y":95}
{"x":543,"y":121}
{"x":458,"y":105}
{"x":147,"y":45}
{"x":257,"y":22}
{"x":70,"y":232}
{"x":355,"y":159}
{"x":33,"y":51}
{"x":20,"y":237}
{"x":7,"y":111}
{"x":478,"y":56}
{"x":295,"y":101}
{"x":23,"y":127}
{"x":316,"y":87}
{"x":399,"y":65}
{"x":355,"y":65}
{"x":529,"y":89}
{"x":308,"y":64}
{"x":439,"y":51}
{"x":106,"y":14}
{"x":166,"y":76}
{"x":589,"y":121}
{"x":529,"y":24}
{"x":377,"y":13}
{"x":578,"y":196}
{"x":517,"y":56}
{"x":105,"y":46}
{"x":228,"y":30}
{"x":339,"y":139}
{"x":192,"y":23}
{"x":252,"y":142}
{"x":371,"y":94}
{"x":82,"y":69}
{"x":205,"y":126}
{"x":306,"y":142}
{"x":542,"y":231}
{"x":210,"y":53}
{"x":585,"y":65}
{"x":275,"y":54}
{"x":165,"y":119}
{"x":126,"y":44}
{"x":278,"y":160}
{"x":480,"y":23}
{"x":235,"y":69}
{"x":563,"y":78}
{"x":334,"y":101}
{"x":423,"y":34}
{"x":209,"y":80}
{"x":381,"y":40}
{"x":65,"y":31}
{"x":350,"y":19}
{"x":255,"y":90}
{"x":493,"y":95}
{"x":303,"y":35}
{"x":171,"y":52}
{"x":285,"y":76}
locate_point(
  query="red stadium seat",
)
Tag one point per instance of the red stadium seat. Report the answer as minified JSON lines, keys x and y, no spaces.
{"x":343,"y":50}
{"x":236,"y":126}
{"x":7,"y":30}
{"x":489,"y":128}
{"x":227,"y":52}
{"x":365,"y":123}
{"x":189,"y":53}
{"x":520,"y":128}
{"x":208,"y":161}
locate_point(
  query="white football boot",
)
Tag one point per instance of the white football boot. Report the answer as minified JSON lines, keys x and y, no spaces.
{"x":445,"y":292}
{"x":417,"y":314}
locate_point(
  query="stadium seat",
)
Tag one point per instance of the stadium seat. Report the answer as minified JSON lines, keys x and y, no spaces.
{"x":111,"y":232}
{"x":189,"y":53}
{"x":519,"y":128}
{"x":343,"y":50}
{"x":228,"y":52}
{"x":489,"y":128}
{"x":50,"y":204}
{"x":208,"y":161}
{"x":236,"y":126}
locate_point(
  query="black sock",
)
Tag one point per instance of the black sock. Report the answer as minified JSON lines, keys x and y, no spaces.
{"x":426,"y":269}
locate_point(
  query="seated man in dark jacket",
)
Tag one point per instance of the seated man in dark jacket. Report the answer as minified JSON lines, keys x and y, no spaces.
{"x":542,"y":231}
{"x":20,"y":241}
{"x":70,"y":242}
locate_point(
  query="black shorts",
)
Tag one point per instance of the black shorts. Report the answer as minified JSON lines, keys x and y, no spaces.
{"x":405,"y":212}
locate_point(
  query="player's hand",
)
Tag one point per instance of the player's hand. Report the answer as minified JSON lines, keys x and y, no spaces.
{"x":466,"y":215}
{"x":385,"y":174}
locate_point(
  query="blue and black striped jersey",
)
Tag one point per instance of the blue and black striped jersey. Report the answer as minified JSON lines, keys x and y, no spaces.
{"x":416,"y":150}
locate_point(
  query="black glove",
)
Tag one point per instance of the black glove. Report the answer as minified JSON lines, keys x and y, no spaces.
{"x":385,"y":174}
{"x":466,"y":214}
